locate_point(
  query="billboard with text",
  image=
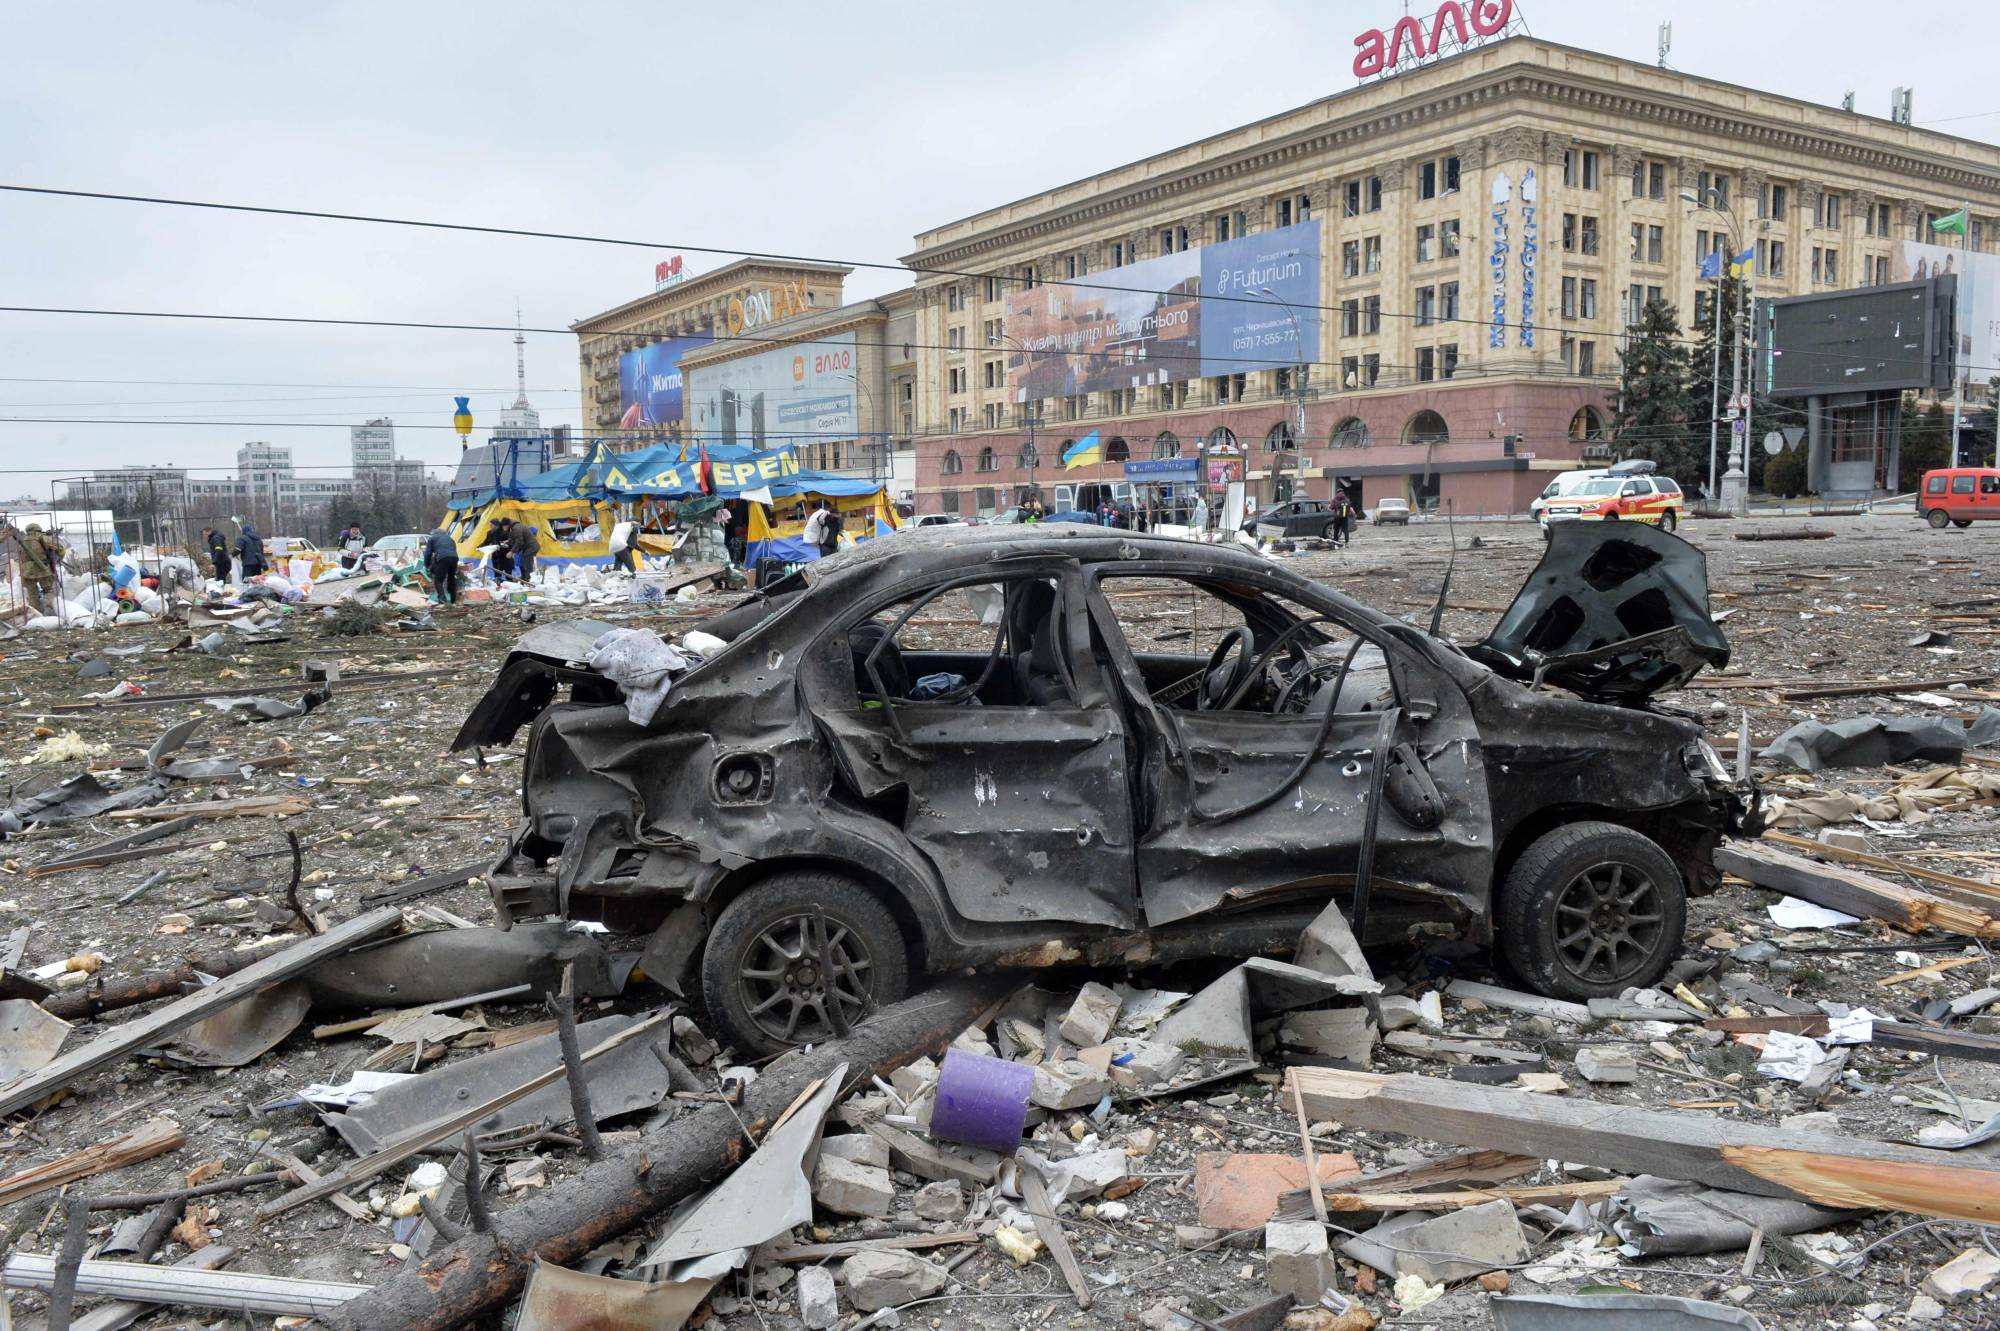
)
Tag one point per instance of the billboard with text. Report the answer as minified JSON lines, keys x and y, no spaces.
{"x":649,"y":383}
{"x":1234,"y":307}
{"x":787,"y":394}
{"x":1978,"y":299}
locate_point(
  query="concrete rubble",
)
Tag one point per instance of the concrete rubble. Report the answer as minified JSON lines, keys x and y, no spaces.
{"x":1157,"y":1112}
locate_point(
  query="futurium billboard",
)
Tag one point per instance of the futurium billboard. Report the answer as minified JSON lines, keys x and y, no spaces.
{"x":799,"y":394}
{"x":1978,"y":299}
{"x":1234,"y":307}
{"x":649,"y":383}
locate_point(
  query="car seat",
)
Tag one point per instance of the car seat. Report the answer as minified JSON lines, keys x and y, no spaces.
{"x":861,"y":642}
{"x":1032,"y":637}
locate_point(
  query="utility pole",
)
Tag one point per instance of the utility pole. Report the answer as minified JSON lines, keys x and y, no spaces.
{"x":1735,"y":494}
{"x":1964,"y":280}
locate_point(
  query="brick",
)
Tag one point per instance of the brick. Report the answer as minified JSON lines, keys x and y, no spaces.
{"x":878,"y":1280}
{"x":859,"y":1147}
{"x":847,"y":1187}
{"x":1242,"y":1191}
{"x":1091,"y":1016}
{"x":1297,"y":1261}
{"x":1477,"y":1239}
{"x":1068,"y":1084}
{"x":1606,"y":1063}
{"x":819,"y":1301}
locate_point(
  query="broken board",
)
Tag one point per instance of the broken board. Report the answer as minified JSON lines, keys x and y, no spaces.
{"x":1742,"y":1157}
{"x":1852,"y":891}
{"x":149,"y":1030}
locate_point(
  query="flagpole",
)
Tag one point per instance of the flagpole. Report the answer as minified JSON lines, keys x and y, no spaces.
{"x":1715,"y":379}
{"x":1965,"y":279}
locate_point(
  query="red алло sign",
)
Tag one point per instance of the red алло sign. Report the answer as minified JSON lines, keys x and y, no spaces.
{"x":1377,"y":51}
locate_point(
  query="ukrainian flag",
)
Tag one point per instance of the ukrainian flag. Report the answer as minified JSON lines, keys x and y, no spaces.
{"x":1743,"y":262}
{"x":1083,"y":452}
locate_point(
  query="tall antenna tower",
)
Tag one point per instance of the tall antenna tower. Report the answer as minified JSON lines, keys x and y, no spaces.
{"x":1901,"y":106}
{"x":520,"y":361}
{"x":1666,"y":41}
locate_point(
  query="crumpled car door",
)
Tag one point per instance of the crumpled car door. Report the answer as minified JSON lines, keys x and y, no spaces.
{"x":1023,"y":810}
{"x":1615,"y":612}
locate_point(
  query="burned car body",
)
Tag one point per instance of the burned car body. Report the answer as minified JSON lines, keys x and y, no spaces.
{"x":836,"y":800}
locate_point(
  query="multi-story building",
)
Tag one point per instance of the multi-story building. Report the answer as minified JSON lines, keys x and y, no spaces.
{"x":1417,"y":287}
{"x":372,"y":446}
{"x":630,"y":356}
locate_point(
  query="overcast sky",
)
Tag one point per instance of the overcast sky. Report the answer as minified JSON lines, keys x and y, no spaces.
{"x":821,"y":129}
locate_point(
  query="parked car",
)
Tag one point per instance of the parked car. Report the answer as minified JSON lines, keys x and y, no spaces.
{"x":1391,"y":512}
{"x":1053,"y":782}
{"x":1959,"y":495}
{"x":935,"y":520}
{"x":1656,"y":500}
{"x":289,"y":547}
{"x":1296,"y":517}
{"x":399,"y":546}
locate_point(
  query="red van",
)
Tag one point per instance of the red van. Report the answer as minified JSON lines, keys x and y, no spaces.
{"x":1958,"y":495}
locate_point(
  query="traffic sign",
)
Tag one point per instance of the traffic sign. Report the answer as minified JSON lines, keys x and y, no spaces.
{"x":1774,"y":443}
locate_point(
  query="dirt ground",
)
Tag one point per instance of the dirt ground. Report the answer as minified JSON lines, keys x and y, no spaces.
{"x":1832,"y":610}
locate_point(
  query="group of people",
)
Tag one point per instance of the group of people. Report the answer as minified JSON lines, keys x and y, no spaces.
{"x":41,"y":555}
{"x":247,"y":549}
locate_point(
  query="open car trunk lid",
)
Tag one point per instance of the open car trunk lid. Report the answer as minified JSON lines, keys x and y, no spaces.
{"x":1615,"y":612}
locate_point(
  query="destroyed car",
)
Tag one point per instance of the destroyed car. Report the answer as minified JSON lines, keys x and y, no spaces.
{"x":1042,"y":744}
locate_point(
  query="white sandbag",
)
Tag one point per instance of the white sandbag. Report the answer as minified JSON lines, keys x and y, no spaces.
{"x":135,"y":617}
{"x":278,"y":583}
{"x":145,"y":598}
{"x":43,"y":622}
{"x":302,"y":570}
{"x":702,"y":644}
{"x":75,"y":613}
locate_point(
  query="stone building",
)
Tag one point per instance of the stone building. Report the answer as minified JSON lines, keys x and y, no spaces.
{"x":1486,"y":228}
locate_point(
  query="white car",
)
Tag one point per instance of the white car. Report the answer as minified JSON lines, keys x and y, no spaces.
{"x":1566,"y":483}
{"x":1391,"y":512}
{"x":936,"y":520}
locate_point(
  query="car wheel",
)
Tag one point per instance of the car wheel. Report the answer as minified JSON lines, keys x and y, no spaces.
{"x":1330,"y":532}
{"x":1938,"y":518}
{"x":1668,"y":522}
{"x":760,"y":970}
{"x":1961,"y":522}
{"x":1590,"y":910}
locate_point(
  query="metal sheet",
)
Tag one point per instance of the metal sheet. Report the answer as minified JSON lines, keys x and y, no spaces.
{"x":623,"y":1081}
{"x":1616,"y":1312}
{"x":245,"y":1031}
{"x":29,"y":1037}
{"x":443,"y":964}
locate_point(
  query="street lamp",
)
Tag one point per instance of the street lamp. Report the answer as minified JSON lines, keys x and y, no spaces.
{"x":1033,"y":413}
{"x":1733,"y":493}
{"x":1715,"y":358}
{"x":1298,"y":388}
{"x":879,"y":445}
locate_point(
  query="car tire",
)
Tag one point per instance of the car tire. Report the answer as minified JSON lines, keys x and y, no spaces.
{"x":1330,"y":532}
{"x":1961,"y":522}
{"x":1938,"y":518}
{"x":757,"y":930}
{"x":1668,"y":522}
{"x":1615,"y":887}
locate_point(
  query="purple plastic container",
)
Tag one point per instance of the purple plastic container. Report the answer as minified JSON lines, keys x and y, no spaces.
{"x":981,"y":1101}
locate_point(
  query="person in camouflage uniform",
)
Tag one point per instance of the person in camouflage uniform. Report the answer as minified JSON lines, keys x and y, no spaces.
{"x":40,"y":554}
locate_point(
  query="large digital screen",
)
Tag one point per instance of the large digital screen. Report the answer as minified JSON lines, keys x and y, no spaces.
{"x":1233,"y":307}
{"x":1870,"y":339}
{"x":649,"y":383}
{"x":794,"y":394}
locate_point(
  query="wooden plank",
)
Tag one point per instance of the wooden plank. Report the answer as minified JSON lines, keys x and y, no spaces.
{"x":1035,"y":1197}
{"x":824,"y":1252}
{"x":1864,"y":688}
{"x":1925,"y":1040}
{"x":1701,"y":1148}
{"x":1549,"y":1194}
{"x":1851,"y":891}
{"x":305,"y":1173}
{"x":436,"y":882}
{"x":149,"y":1030}
{"x":1979,"y":890}
{"x":1415,"y":1042}
{"x":154,"y":1137}
{"x":1815,"y":1026}
{"x":251,"y":806}
{"x":1926,"y":972}
{"x":1512,"y":1000}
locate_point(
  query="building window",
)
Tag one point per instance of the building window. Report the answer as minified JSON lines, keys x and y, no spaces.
{"x":1371,"y":315}
{"x":954,"y":297}
{"x":1426,"y":243}
{"x":1167,"y":445}
{"x":1716,"y":182}
{"x":1117,"y":450}
{"x":1118,"y":401}
{"x":1350,"y":371}
{"x":1222,"y":226}
{"x":955,"y":338}
{"x":995,"y":414}
{"x":948,"y":501}
{"x":1426,"y":427}
{"x":1350,"y":318}
{"x":956,"y":423}
{"x":1427,"y":180}
{"x":1350,"y":199}
{"x":1117,"y":254}
{"x":1586,"y":357}
{"x":1579,"y":168}
{"x":1350,"y":258}
{"x":988,"y":459}
{"x":1649,"y":180}
{"x":1647,"y":243}
{"x":1371,"y":254}
{"x":1655,"y":296}
{"x":1371,"y":189}
{"x":1352,"y":432}
{"x":1451,"y":175}
{"x":1030,"y":279}
{"x":1882,"y":270}
{"x":1230,"y":387}
{"x":1448,"y":360}
{"x":1426,"y":364}
{"x":1166,"y":240}
{"x":951,"y":465}
{"x":1427,"y":306}
{"x":1569,"y":233}
{"x":1589,"y":244}
{"x":1568,"y":354}
{"x":1448,"y":302}
{"x":1701,"y":310}
{"x":956,"y":377}
{"x":1829,"y":211}
{"x":1448,"y":237}
{"x":1833,"y":268}
{"x":1371,"y":370}
{"x":1569,"y":298}
{"x":1586,"y":426}
{"x":1881,"y":220}
{"x":996,"y":289}
{"x":1772,"y":206}
{"x":1586,"y":304}
{"x":1773,"y":260}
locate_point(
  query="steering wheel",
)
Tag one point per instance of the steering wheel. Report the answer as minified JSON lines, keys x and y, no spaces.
{"x":1228,"y":667}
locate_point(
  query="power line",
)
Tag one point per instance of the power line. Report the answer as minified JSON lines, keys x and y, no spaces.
{"x":583,"y":238}
{"x":225,"y":383}
{"x":229,"y":401}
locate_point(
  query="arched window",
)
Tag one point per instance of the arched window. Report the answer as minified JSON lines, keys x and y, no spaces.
{"x":1117,"y":450}
{"x":1168,"y":445}
{"x":1587,"y":424}
{"x":951,"y":465}
{"x":1028,"y":456}
{"x":1222,"y":439}
{"x":1281,"y":438}
{"x":988,"y":459}
{"x":1350,"y":433}
{"x":1426,"y":427}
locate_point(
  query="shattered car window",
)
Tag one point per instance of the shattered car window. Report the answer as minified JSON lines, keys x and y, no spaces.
{"x":986,"y":644}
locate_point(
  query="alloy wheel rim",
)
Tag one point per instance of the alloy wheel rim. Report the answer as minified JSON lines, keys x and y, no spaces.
{"x":1608,"y":923}
{"x":783,"y":990}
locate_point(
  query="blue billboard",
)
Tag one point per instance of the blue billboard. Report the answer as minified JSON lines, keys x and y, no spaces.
{"x":1233,"y":307}
{"x":649,"y":383}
